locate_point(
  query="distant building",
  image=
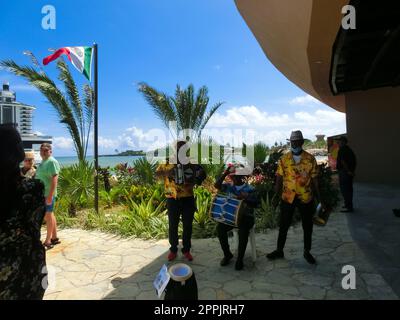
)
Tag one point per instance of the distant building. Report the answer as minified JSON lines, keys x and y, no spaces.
{"x":20,"y":115}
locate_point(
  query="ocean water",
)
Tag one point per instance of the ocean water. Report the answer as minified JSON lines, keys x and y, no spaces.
{"x":103,"y":161}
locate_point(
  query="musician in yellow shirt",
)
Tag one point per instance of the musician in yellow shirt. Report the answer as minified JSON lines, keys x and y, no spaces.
{"x":297,"y":181}
{"x":180,"y":200}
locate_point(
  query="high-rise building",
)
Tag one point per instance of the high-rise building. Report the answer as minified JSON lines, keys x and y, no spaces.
{"x":20,"y":115}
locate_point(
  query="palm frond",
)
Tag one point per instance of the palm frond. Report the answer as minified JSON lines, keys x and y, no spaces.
{"x":210,"y":114}
{"x":160,"y":103}
{"x":53,"y":95}
{"x":72,"y":93}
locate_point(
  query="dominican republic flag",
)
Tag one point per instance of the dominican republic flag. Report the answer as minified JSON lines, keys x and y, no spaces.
{"x":80,"y":57}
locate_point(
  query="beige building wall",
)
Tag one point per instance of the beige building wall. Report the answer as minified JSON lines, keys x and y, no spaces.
{"x":373,"y":127}
{"x":297,"y":36}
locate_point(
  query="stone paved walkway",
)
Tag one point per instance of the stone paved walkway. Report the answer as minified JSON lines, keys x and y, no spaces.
{"x":94,"y":265}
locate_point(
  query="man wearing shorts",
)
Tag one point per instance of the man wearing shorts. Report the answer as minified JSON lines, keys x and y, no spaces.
{"x":48,"y":172}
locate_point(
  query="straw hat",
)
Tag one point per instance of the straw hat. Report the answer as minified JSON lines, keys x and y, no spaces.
{"x":29,"y":155}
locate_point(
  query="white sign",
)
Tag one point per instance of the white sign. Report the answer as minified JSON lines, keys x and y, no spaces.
{"x":161,"y":281}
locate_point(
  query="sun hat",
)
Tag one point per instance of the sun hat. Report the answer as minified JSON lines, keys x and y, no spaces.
{"x":296,"y":135}
{"x":239,"y":170}
{"x":29,"y":155}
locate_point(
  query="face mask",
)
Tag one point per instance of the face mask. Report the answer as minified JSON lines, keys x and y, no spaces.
{"x":297,"y":150}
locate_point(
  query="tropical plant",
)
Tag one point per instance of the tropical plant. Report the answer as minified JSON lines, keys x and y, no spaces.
{"x":74,"y":111}
{"x":188,"y":109}
{"x":260,"y":152}
{"x":76,"y":185}
{"x":144,"y":171}
{"x":266,"y":215}
{"x":203,"y":227}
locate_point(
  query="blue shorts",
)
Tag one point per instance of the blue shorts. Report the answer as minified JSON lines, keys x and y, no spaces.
{"x":50,"y":208}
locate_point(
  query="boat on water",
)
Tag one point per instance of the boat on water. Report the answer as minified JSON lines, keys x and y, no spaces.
{"x":20,"y":115}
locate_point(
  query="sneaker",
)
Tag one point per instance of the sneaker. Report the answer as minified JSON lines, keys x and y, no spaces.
{"x":188,"y":256}
{"x":239,"y":265}
{"x":225,"y":260}
{"x":275,"y":255}
{"x":172,"y":256}
{"x":309,"y":258}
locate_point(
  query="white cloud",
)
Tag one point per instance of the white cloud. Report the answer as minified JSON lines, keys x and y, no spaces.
{"x":271,"y":128}
{"x":105,"y":143}
{"x":63,"y":143}
{"x":306,"y":100}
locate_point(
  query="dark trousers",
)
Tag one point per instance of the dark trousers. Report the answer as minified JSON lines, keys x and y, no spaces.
{"x":177,"y":207}
{"x":306,"y":212}
{"x":346,"y":188}
{"x":245,"y":224}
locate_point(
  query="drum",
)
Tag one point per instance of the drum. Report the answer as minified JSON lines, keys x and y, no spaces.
{"x":182,"y":285}
{"x":226,"y":210}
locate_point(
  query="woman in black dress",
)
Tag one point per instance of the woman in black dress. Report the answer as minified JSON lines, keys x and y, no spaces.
{"x":22,"y":255}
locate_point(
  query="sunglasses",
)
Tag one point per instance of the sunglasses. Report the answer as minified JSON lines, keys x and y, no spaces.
{"x":28,"y":160}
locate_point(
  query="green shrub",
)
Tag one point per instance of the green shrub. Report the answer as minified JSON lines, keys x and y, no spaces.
{"x":266,"y":215}
{"x":203,"y":226}
{"x":76,"y":186}
{"x":144,"y":171}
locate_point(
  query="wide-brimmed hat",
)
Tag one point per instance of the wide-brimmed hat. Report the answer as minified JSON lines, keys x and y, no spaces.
{"x":296,"y":135}
{"x":240,"y":170}
{"x":29,"y":155}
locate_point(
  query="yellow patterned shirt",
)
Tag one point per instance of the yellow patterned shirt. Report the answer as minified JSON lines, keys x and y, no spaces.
{"x":173,"y":190}
{"x":297,"y":178}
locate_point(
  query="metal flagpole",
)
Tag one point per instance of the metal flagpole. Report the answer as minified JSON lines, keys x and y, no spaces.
{"x":96,"y":151}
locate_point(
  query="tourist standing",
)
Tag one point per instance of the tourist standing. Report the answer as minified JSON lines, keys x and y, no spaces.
{"x":28,"y":170}
{"x":346,"y":166}
{"x":22,"y":208}
{"x":297,"y":179}
{"x":48,"y":172}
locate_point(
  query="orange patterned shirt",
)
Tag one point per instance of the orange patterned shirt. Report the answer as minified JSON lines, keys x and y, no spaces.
{"x":173,"y":190}
{"x":297,"y":178}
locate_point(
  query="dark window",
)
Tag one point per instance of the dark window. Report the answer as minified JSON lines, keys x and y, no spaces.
{"x":7,"y":114}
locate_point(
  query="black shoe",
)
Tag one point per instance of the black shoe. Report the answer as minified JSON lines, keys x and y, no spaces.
{"x":239,"y":265}
{"x":225,"y":260}
{"x":275,"y":255}
{"x":347,"y":210}
{"x":308,"y":256}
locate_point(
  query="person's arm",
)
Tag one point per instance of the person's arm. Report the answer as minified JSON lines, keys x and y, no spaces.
{"x":201,"y":175}
{"x":315,"y":183}
{"x":251,"y":198}
{"x":53,"y":187}
{"x":278,"y":184}
{"x":218,"y":183}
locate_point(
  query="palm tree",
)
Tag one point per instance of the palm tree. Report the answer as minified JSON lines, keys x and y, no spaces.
{"x":74,"y":111}
{"x":188,"y":109}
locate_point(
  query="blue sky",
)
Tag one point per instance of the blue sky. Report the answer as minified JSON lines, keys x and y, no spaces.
{"x":164,"y":43}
